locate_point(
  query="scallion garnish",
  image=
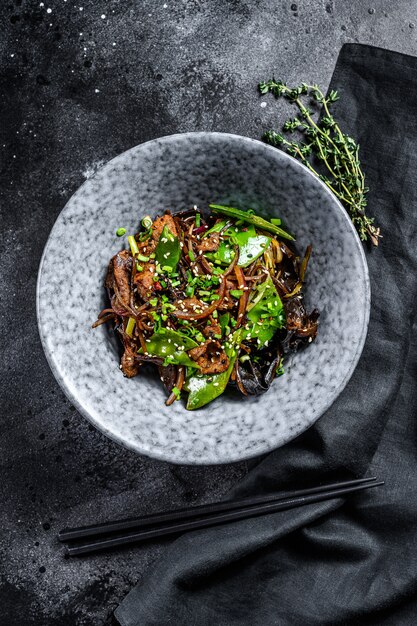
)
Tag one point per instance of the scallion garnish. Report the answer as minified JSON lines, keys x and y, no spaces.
{"x":130,"y":326}
{"x":146,"y":222}
{"x":197,"y":220}
{"x":120,"y":232}
{"x":142,"y":257}
{"x":133,"y":245}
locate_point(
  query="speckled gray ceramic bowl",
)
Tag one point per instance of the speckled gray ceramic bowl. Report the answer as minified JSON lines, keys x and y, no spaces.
{"x":176,"y":172}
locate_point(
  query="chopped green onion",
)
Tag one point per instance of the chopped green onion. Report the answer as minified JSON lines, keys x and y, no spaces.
{"x":199,"y":337}
{"x":236,"y":293}
{"x":139,"y":268}
{"x":214,"y":314}
{"x":146,"y":222}
{"x":130,"y":326}
{"x":175,"y":283}
{"x":163,"y":284}
{"x":191,"y":255}
{"x":145,"y":235}
{"x":197,"y":220}
{"x":275,"y":221}
{"x":167,"y":268}
{"x":189,"y":291}
{"x":176,"y":392}
{"x":152,"y":256}
{"x":120,"y":232}
{"x":280,"y":368}
{"x":202,"y":292}
{"x":214,"y":296}
{"x":153,"y":301}
{"x":142,"y":257}
{"x":244,"y":358}
{"x":217,"y":336}
{"x":133,"y":245}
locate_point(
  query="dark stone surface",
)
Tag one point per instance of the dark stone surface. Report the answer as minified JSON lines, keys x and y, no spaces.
{"x":77,"y":89}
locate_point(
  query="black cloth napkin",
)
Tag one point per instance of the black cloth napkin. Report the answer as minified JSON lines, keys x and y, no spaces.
{"x":337,"y":562}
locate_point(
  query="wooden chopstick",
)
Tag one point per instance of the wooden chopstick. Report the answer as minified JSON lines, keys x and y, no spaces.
{"x":244,"y":512}
{"x":96,"y":530}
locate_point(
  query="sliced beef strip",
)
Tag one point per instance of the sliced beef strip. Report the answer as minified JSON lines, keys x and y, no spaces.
{"x":118,"y":276}
{"x":211,"y":357}
{"x":144,"y":281}
{"x":160,"y":222}
{"x":128,"y":364}
{"x":210,"y":330}
{"x":209,"y":243}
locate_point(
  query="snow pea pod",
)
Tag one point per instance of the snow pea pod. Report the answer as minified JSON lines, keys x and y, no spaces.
{"x":171,"y":346}
{"x":168,"y":250}
{"x":251,"y":245}
{"x":251,"y":218}
{"x":265,"y":314}
{"x":205,"y":388}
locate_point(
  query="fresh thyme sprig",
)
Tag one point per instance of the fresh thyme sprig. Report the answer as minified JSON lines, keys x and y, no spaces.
{"x":326,"y":143}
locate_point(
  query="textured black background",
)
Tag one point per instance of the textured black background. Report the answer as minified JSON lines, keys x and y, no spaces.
{"x":76,"y":90}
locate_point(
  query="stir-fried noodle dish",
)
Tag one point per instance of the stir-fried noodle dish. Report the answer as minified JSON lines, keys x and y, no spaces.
{"x":211,"y":298}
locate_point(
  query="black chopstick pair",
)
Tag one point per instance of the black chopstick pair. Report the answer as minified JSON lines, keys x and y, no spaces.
{"x":110,"y":535}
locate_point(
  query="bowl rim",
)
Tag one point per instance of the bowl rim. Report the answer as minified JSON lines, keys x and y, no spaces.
{"x":158,"y":455}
